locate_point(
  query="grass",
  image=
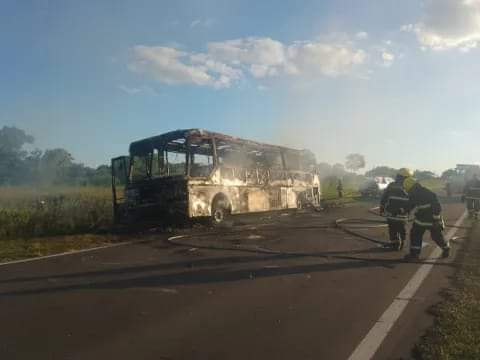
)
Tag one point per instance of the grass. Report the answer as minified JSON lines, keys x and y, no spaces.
{"x":436,"y":184}
{"x":44,"y":221}
{"x":28,"y":248}
{"x":329,"y":190}
{"x":456,"y":330}
{"x":28,"y":212}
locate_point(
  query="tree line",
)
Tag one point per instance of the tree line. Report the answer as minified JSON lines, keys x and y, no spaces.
{"x":43,"y":167}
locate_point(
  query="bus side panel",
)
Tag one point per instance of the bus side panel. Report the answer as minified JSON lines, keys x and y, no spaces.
{"x":244,"y":197}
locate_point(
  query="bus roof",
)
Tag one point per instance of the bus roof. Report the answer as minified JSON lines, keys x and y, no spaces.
{"x":141,"y":146}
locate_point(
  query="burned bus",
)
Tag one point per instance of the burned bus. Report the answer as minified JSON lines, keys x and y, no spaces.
{"x":197,"y":173}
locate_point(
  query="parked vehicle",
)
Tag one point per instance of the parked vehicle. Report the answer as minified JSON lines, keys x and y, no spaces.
{"x":374,"y":187}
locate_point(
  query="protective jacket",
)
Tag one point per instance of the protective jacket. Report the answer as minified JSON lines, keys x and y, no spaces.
{"x":394,"y":201}
{"x":428,"y":209}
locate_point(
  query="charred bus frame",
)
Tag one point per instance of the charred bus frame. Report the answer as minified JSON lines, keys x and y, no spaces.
{"x":198,"y":173}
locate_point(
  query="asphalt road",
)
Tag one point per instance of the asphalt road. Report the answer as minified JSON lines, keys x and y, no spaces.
{"x":156,"y":301}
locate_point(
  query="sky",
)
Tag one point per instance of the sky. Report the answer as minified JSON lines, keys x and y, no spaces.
{"x":394,"y":81}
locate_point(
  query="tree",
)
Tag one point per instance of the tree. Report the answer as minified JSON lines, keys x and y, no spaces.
{"x":355,"y":162}
{"x":382,"y":171}
{"x":12,"y":154}
{"x":324,"y":169}
{"x":424,"y":175}
{"x":338,"y":170}
{"x":449,"y":173}
{"x":54,"y":166}
{"x":13,"y":139}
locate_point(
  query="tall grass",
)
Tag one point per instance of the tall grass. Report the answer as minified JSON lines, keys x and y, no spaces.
{"x":29,"y":212}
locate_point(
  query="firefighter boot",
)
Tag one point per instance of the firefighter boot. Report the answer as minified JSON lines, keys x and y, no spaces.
{"x":412,"y":256}
{"x":446,"y":252}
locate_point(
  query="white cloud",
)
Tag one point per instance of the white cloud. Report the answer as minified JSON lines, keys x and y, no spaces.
{"x":143,"y":90}
{"x":200,"y":22}
{"x":317,"y":58}
{"x":260,"y":51}
{"x":448,"y":24}
{"x":171,"y":66}
{"x":361,"y":35}
{"x":129,"y":90}
{"x":195,"y":23}
{"x":228,"y":61}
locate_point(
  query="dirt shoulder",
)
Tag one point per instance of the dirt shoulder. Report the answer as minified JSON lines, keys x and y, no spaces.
{"x":455,"y":333}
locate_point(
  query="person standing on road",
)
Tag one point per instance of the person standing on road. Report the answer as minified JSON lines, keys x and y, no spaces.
{"x":448,"y":189}
{"x":394,"y":206}
{"x":428,"y":216}
{"x":340,"y":189}
{"x":471,"y":194}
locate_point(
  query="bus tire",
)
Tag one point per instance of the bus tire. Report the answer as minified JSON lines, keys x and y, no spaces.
{"x":220,"y":211}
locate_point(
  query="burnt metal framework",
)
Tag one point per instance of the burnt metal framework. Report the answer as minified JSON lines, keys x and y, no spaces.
{"x":245,"y":176}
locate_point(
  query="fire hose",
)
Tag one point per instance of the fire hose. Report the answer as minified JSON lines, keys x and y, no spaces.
{"x":347,"y":225}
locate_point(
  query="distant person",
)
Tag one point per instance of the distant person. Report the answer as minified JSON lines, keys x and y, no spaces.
{"x":471,"y":194}
{"x":340,"y":189}
{"x":394,"y":206}
{"x":448,"y":189}
{"x":428,"y":216}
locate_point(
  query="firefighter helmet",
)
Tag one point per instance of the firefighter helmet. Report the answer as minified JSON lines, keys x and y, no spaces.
{"x":404,"y":172}
{"x":408,"y":183}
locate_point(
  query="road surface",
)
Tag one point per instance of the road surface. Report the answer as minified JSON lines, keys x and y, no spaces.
{"x":157,"y":301}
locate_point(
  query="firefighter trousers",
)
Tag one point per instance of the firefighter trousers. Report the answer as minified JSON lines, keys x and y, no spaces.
{"x":416,"y":237}
{"x":396,"y":230}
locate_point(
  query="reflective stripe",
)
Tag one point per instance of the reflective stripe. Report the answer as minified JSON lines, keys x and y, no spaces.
{"x":402,"y":219}
{"x":437,"y":217}
{"x":423,"y":223}
{"x":471,"y":198}
{"x":425,"y":206}
{"x":398,"y":198}
{"x":416,"y":247}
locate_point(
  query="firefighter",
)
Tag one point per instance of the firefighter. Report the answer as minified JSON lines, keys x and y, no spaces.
{"x":428,"y":216}
{"x":394,"y":205}
{"x":471,"y":194}
{"x":340,"y":189}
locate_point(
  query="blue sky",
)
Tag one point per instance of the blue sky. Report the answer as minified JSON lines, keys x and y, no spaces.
{"x":397,"y":83}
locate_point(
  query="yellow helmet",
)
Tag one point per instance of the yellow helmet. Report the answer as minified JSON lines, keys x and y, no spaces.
{"x":404,"y":172}
{"x":408,"y":183}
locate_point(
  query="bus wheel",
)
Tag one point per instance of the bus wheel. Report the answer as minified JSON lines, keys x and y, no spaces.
{"x":220,"y":213}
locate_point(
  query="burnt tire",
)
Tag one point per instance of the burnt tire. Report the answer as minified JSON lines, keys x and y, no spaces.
{"x":220,"y":213}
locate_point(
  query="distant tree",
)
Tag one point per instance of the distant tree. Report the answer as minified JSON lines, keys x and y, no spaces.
{"x":424,"y":175}
{"x":55,"y":166}
{"x":449,"y":173}
{"x":338,"y":170}
{"x":13,"y":139}
{"x":382,"y":171}
{"x":12,"y":154}
{"x":324,"y":169}
{"x":355,"y":162}
{"x":101,"y":176}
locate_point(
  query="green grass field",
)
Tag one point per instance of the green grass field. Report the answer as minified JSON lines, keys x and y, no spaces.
{"x":455,"y":334}
{"x":42,"y":221}
{"x":28,"y":212}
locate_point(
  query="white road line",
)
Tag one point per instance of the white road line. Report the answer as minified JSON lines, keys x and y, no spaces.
{"x":71,"y":252}
{"x":372,"y":341}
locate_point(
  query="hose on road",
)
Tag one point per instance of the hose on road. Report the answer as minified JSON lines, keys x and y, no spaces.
{"x":347,"y":225}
